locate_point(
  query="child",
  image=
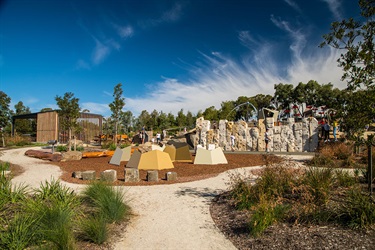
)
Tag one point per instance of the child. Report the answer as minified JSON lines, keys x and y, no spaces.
{"x":266,"y":139}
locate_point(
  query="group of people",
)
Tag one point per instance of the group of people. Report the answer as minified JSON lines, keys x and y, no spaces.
{"x":326,"y":127}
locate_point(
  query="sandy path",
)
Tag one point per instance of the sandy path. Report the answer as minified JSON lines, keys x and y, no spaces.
{"x":168,"y":216}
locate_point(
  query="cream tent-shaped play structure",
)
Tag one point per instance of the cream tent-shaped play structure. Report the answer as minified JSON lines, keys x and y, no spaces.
{"x":152,"y":160}
{"x":179,"y":152}
{"x":215,"y":156}
{"x":120,"y":155}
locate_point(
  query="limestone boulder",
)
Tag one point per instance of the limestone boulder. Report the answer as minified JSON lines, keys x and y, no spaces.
{"x":71,"y":156}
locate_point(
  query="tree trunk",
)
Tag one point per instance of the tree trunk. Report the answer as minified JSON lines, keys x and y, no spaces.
{"x":70,"y":140}
{"x":115,"y":138}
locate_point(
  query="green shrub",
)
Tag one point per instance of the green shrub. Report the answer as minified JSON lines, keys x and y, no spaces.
{"x":109,"y":145}
{"x":78,"y":148}
{"x":266,"y":213}
{"x":242,"y":192}
{"x":61,"y":148}
{"x":108,"y":201}
{"x":358,"y":209}
{"x":319,"y":182}
{"x":321,"y":160}
{"x":54,"y":190}
{"x":10,"y":193}
{"x":94,"y":229}
{"x":18,"y":232}
{"x":344,"y":178}
{"x":55,"y":225}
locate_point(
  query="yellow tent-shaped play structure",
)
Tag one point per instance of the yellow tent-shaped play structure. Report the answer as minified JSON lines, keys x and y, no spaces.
{"x":215,"y":156}
{"x":179,"y":152}
{"x":120,"y":155}
{"x":152,"y":160}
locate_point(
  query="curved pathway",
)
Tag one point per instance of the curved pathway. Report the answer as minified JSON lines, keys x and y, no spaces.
{"x":172,"y":216}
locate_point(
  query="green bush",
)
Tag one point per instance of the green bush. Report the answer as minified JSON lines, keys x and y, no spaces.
{"x":319,"y":182}
{"x":242,"y":192}
{"x":108,"y":201}
{"x":344,"y":178}
{"x":321,"y":160}
{"x":55,"y":225}
{"x":61,"y":148}
{"x":18,"y":232}
{"x":94,"y":229}
{"x":55,"y":191}
{"x":358,"y":209}
{"x":266,"y":213}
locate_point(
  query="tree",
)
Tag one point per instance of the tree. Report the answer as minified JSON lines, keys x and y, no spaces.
{"x":211,"y":114}
{"x":69,"y":113}
{"x":283,"y":95}
{"x":154,"y":120}
{"x":4,"y":113}
{"x":261,"y":101}
{"x":23,"y":126}
{"x":181,"y":118}
{"x":190,"y":120}
{"x":163,"y":121}
{"x":226,"y":111}
{"x":127,"y":121}
{"x":356,"y":38}
{"x":144,"y":119}
{"x":116,"y":107}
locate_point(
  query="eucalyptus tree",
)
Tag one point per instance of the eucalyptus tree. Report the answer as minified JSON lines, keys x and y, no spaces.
{"x":4,"y":114}
{"x":163,"y":121}
{"x":356,"y":39}
{"x":116,"y":107}
{"x":69,"y":113}
{"x":23,"y":126}
{"x":181,"y":118}
{"x":127,"y":121}
{"x":190,"y":120}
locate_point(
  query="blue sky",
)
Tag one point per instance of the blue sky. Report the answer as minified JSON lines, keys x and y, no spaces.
{"x":169,"y":55}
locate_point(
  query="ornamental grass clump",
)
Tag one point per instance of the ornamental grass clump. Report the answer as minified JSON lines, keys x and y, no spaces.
{"x":108,"y":201}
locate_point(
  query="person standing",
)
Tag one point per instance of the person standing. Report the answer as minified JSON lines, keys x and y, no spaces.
{"x":326,"y":131}
{"x":322,"y":123}
{"x":158,"y":137}
{"x":232,"y":139}
{"x":266,"y":139}
{"x":335,"y":124}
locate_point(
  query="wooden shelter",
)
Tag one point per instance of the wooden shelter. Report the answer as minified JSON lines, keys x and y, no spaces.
{"x":48,"y":126}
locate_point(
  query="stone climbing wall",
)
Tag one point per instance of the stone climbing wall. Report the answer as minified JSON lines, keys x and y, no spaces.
{"x":290,"y":136}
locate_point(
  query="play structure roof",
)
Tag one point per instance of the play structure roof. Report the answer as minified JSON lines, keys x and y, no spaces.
{"x":120,"y":155}
{"x":215,"y":156}
{"x":152,"y":160}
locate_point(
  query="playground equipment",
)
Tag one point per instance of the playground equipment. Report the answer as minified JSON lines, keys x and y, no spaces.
{"x":215,"y":156}
{"x":121,"y":155}
{"x":152,"y":160}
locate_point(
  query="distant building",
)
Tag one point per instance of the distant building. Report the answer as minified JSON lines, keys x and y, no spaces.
{"x":48,"y":126}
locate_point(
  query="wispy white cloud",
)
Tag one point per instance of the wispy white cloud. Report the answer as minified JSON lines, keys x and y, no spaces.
{"x":100,"y":52}
{"x":82,"y":64}
{"x":171,"y":15}
{"x":335,"y":7}
{"x":125,"y":31}
{"x":95,"y":108}
{"x":294,"y":5}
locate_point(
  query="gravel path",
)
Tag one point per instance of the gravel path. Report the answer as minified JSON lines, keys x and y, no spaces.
{"x":167,"y":216}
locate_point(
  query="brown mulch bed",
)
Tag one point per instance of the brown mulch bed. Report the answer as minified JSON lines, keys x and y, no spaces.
{"x":186,"y":172}
{"x":233,"y":223}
